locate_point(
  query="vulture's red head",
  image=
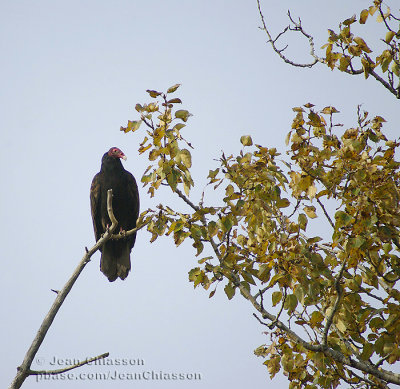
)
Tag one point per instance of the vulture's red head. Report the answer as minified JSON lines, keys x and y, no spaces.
{"x":115,"y":152}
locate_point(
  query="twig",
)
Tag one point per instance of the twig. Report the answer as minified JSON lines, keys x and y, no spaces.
{"x":65,"y":369}
{"x":326,"y":213}
{"x":261,"y":292}
{"x":130,"y":232}
{"x":260,"y":321}
{"x":297,"y":27}
{"x":23,"y":371}
{"x":186,"y":200}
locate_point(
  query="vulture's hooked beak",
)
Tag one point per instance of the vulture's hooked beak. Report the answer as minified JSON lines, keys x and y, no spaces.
{"x":124,"y":157}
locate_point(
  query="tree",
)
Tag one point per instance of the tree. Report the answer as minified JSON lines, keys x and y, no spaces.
{"x":330,"y":305}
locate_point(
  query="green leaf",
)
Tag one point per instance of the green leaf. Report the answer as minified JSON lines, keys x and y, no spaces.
{"x":302,"y":220}
{"x":173,"y":88}
{"x":367,"y":352}
{"x":227,"y":223}
{"x":283,"y":203}
{"x":264,"y":272}
{"x":183,"y":114}
{"x":179,"y":126}
{"x":229,"y":290}
{"x":290,"y":303}
{"x":316,"y":318}
{"x":248,"y":277}
{"x":359,"y":241}
{"x":213,"y":173}
{"x":194,"y":275}
{"x":342,"y":219}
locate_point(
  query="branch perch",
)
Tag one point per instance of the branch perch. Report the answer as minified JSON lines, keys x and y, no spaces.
{"x":24,"y":370}
{"x":65,"y":369}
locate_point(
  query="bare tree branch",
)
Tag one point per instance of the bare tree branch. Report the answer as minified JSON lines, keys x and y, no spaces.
{"x":24,"y":370}
{"x":326,"y":213}
{"x":297,"y":27}
{"x":65,"y":369}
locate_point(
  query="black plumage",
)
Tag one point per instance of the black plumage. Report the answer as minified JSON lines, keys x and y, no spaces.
{"x":115,"y":254}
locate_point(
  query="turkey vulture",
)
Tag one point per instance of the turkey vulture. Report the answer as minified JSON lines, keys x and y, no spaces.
{"x":115,"y":254}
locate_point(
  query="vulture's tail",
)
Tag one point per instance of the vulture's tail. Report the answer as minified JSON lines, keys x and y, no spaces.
{"x":115,"y":260}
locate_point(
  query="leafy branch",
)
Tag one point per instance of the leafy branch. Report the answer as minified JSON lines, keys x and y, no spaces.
{"x":348,"y":53}
{"x":252,"y":244}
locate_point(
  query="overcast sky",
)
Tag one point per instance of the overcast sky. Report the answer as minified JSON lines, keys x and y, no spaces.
{"x":72,"y":72}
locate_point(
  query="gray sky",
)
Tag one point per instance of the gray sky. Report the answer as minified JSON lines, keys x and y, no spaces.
{"x":72,"y":73}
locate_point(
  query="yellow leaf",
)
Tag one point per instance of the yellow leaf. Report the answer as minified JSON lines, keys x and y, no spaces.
{"x":341,"y":326}
{"x":296,"y":138}
{"x":287,"y":139}
{"x":186,"y":158}
{"x":396,"y":69}
{"x":344,"y":63}
{"x":372,"y":9}
{"x":360,"y":42}
{"x":366,"y":67}
{"x":310,"y":211}
{"x":153,"y":93}
{"x":349,"y":21}
{"x":389,"y":36}
{"x":329,"y":110}
{"x":246,"y":140}
{"x":364,"y":16}
{"x":311,"y":191}
{"x":322,"y":193}
{"x":173,"y":88}
{"x":143,"y":149}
